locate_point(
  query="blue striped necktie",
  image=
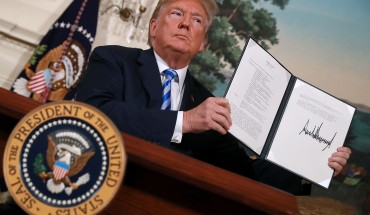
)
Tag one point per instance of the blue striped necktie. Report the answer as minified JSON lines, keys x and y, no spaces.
{"x":166,"y":95}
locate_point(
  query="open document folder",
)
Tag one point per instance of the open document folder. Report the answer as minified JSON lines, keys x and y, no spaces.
{"x":285,"y":119}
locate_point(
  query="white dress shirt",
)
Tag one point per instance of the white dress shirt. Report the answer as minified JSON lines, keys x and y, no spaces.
{"x":177,"y":92}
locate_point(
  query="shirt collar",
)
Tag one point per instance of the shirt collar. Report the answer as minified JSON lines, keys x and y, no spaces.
{"x":162,"y":65}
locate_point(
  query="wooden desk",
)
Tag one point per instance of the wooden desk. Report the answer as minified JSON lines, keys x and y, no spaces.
{"x":161,"y":181}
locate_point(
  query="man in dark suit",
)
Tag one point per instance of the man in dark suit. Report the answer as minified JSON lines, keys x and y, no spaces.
{"x":126,"y":84}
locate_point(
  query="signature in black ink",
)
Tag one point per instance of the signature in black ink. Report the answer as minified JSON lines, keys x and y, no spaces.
{"x":315,"y":134}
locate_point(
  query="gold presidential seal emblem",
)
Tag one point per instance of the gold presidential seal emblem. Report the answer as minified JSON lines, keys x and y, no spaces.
{"x":64,"y":158}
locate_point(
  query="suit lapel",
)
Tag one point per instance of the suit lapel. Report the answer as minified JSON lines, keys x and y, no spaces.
{"x":149,"y":74}
{"x":194,"y":93}
{"x":188,"y":100}
{"x":151,"y":80}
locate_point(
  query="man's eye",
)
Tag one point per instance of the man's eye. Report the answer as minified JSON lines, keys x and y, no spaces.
{"x":177,"y":13}
{"x":197,"y":20}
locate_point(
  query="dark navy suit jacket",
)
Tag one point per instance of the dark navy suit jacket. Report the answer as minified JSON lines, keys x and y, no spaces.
{"x":125,"y":84}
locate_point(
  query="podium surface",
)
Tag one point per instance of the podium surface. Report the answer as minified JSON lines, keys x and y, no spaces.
{"x":162,"y":181}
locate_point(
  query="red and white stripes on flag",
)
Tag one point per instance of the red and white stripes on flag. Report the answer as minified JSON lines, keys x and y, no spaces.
{"x":38,"y":82}
{"x":60,"y":170}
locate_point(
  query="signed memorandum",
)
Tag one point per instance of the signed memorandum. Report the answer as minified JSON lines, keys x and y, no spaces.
{"x":285,"y":119}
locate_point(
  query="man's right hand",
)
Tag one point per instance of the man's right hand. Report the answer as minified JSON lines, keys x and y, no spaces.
{"x":212,"y":114}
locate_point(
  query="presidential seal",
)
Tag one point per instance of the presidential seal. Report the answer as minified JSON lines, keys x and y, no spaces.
{"x":64,"y":158}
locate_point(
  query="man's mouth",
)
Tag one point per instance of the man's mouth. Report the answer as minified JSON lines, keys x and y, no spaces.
{"x":181,"y":36}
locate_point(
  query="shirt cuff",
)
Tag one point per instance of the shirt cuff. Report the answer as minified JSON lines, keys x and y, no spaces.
{"x":177,"y":134}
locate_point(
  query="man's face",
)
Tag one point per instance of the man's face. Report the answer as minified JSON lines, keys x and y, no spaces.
{"x":180,"y":27}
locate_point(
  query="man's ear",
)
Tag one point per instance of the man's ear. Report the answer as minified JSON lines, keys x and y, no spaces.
{"x":201,"y":48}
{"x":152,"y":27}
{"x":203,"y":44}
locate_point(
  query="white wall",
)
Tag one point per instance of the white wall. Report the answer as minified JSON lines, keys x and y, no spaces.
{"x":23,"y":23}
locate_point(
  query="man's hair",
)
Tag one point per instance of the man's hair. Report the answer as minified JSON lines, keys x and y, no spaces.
{"x":210,"y":7}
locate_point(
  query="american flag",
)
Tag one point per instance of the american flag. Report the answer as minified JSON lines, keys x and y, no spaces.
{"x":60,"y":169}
{"x":81,"y":15}
{"x":40,"y":81}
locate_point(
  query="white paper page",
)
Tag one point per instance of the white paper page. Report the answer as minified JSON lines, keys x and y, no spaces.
{"x":255,"y":94}
{"x":314,"y":124}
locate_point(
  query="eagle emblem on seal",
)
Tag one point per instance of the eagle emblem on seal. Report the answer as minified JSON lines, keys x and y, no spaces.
{"x":67,"y":154}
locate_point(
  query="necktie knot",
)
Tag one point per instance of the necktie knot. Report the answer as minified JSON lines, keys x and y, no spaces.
{"x":170,"y":74}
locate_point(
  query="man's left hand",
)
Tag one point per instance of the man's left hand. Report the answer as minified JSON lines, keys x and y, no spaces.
{"x":339,"y":159}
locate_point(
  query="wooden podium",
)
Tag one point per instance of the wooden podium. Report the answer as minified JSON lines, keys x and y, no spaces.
{"x":161,"y":181}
